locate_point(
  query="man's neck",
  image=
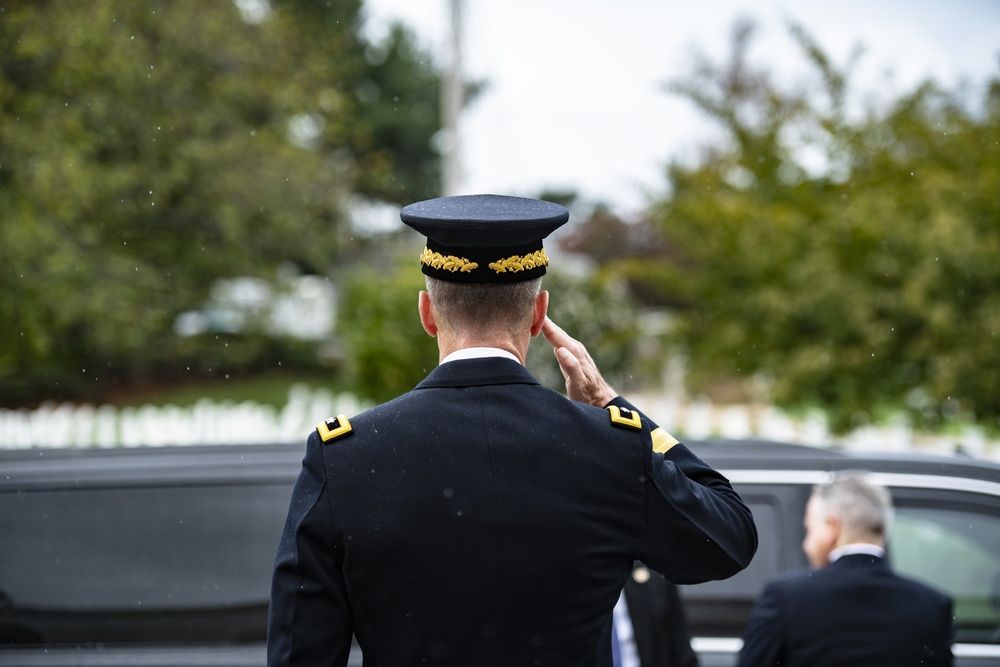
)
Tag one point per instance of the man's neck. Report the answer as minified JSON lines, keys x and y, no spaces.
{"x":448,"y":345}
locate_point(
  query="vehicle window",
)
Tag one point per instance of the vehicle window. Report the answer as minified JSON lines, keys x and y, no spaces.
{"x":957,"y":551}
{"x":127,"y":564}
{"x":720,"y":608}
{"x":766,"y":562}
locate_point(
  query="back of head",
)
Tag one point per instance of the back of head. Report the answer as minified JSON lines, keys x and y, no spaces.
{"x":484,"y":260}
{"x":482,"y":309}
{"x":864,"y":507}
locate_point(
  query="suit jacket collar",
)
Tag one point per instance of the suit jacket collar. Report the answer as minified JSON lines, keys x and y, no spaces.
{"x":477,"y":372}
{"x":857,"y":561}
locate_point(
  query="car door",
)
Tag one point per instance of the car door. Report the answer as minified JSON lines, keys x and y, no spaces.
{"x":949,"y":538}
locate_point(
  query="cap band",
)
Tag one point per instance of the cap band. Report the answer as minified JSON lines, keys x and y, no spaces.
{"x":482,"y":264}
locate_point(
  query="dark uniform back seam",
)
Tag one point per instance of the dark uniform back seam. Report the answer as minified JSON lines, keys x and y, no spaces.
{"x":496,"y":499}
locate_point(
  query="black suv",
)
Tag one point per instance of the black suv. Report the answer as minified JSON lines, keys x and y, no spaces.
{"x":162,"y":556}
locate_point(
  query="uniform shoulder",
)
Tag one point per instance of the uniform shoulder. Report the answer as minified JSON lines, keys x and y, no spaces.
{"x":343,"y":426}
{"x":334,"y":428}
{"x":613,"y":417}
{"x":625,"y":415}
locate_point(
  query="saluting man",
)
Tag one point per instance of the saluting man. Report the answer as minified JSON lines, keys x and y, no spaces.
{"x":481,"y":518}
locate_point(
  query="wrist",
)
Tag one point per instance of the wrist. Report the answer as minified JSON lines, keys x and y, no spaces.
{"x":606,"y":398}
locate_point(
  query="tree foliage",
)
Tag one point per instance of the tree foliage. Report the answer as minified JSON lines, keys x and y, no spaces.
{"x":851,"y":258}
{"x":597,"y":310}
{"x":389,"y":352}
{"x":147,"y":149}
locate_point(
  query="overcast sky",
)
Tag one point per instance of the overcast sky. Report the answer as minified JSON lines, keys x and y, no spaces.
{"x":576,"y":95}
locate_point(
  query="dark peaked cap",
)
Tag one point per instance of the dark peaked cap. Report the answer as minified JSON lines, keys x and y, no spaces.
{"x":484,"y":238}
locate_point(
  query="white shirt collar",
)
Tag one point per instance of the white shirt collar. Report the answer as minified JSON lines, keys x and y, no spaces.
{"x":857,"y":548}
{"x":479,"y":353}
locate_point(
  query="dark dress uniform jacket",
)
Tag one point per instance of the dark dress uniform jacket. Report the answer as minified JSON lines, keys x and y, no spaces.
{"x":482,"y":519}
{"x":855,"y":612}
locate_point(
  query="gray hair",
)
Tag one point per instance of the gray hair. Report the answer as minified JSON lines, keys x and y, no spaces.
{"x":864,"y":507}
{"x":484,"y":307}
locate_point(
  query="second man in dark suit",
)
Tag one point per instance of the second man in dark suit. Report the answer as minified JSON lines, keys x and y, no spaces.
{"x":851,"y":609}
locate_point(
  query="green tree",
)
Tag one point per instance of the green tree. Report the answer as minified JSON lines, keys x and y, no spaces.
{"x":147,"y":149}
{"x":599,"y":311}
{"x":381,"y":105}
{"x":388,"y":350}
{"x":867,"y":278}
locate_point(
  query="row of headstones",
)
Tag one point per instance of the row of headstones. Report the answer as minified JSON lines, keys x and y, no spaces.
{"x":208,"y":422}
{"x":205,"y":422}
{"x":697,"y":419}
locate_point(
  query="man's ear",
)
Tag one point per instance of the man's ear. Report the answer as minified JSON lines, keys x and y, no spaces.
{"x":541,"y":310}
{"x":835,"y":528}
{"x":426,"y":314}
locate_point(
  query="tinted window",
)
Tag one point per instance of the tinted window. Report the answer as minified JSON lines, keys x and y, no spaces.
{"x":720,"y":608}
{"x":154,"y":563}
{"x":766,"y":562}
{"x":958,"y":551}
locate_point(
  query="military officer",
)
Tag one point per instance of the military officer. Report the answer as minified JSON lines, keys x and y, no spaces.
{"x":481,"y":518}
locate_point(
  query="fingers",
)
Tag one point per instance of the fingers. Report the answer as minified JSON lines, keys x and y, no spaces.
{"x":570,"y":367}
{"x":558,"y":338}
{"x":555,"y":335}
{"x":584,"y":382}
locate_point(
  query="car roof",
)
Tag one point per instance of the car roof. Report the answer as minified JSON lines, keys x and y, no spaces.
{"x":75,"y":467}
{"x":753,"y":454}
{"x":44,"y":466}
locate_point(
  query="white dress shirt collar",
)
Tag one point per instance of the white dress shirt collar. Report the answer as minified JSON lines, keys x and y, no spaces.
{"x":857,"y":548}
{"x":479,"y":353}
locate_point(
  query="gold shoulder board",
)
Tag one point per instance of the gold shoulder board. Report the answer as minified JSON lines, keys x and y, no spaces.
{"x":625,"y":417}
{"x":333,"y":428}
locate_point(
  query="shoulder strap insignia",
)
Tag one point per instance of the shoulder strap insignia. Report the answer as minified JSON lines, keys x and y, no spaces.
{"x":625,"y":418}
{"x":333,"y":428}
